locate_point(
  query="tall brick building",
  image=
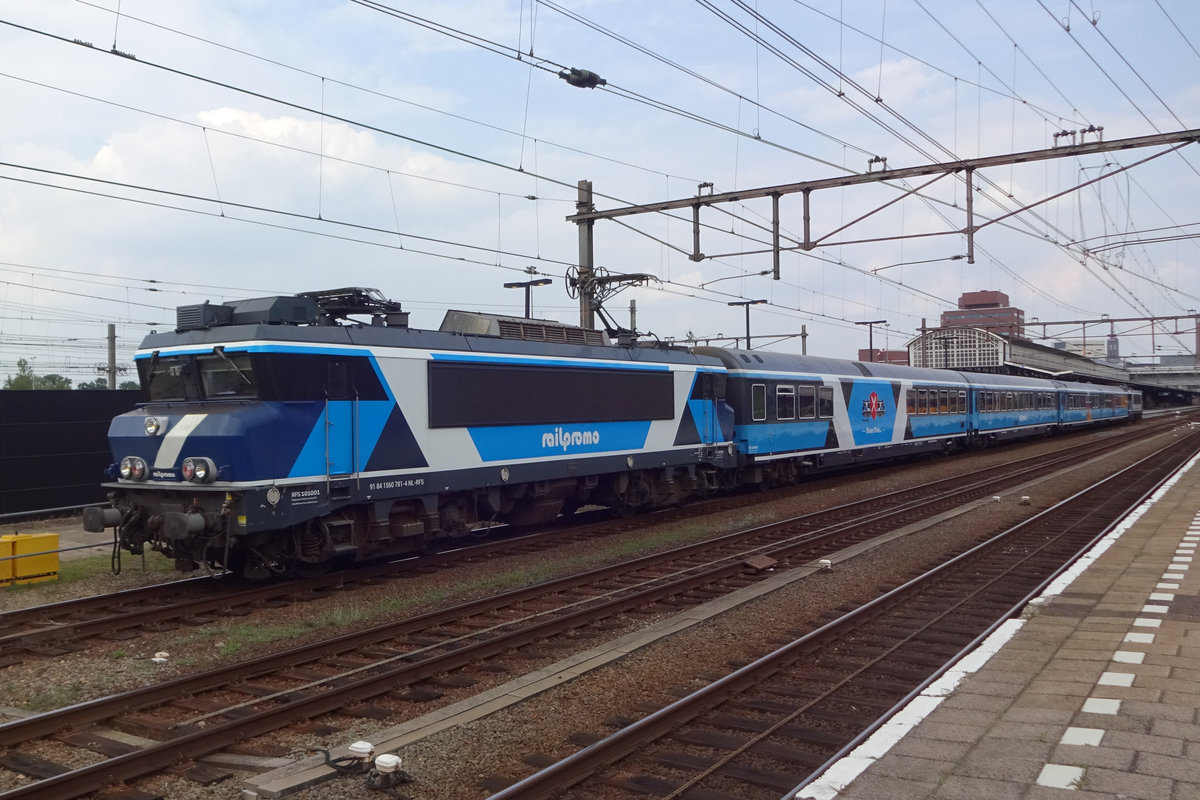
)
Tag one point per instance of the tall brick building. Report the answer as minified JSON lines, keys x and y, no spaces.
{"x":987,"y":310}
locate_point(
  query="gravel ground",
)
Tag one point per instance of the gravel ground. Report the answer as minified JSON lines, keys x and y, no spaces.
{"x":454,"y":764}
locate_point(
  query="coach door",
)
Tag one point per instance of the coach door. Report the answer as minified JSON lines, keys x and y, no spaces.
{"x":341,"y":429}
{"x":712,"y":391}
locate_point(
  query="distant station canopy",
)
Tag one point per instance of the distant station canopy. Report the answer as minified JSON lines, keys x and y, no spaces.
{"x":958,"y":348}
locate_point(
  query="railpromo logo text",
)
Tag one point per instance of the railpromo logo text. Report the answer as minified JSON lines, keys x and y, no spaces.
{"x":558,"y":438}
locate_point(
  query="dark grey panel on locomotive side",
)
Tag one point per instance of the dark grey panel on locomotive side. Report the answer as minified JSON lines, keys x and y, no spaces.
{"x":467,"y":395}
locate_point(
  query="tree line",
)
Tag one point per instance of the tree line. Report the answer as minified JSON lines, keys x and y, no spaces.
{"x":26,"y":379}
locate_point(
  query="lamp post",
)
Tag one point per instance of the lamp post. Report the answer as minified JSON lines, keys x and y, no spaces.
{"x":871,"y":333}
{"x":747,"y":304}
{"x":528,"y":287}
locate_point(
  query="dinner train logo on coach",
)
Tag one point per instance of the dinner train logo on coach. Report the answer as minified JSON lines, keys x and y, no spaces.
{"x":558,"y":438}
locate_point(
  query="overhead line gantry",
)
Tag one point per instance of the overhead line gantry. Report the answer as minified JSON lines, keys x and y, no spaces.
{"x":586,"y":214}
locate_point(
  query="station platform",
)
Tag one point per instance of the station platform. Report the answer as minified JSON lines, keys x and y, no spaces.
{"x":1094,"y":694}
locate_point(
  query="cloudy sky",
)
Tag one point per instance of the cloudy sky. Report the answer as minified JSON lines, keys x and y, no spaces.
{"x":156,"y":154}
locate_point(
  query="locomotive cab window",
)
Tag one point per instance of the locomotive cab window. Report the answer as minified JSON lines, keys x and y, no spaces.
{"x":226,"y":376}
{"x":168,"y":378}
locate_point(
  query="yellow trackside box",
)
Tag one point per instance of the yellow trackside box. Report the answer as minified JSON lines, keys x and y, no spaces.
{"x":34,"y":557}
{"x":6,"y":564}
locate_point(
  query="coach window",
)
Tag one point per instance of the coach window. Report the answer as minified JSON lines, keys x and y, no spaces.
{"x":785,"y":402}
{"x":961,"y":406}
{"x":825,"y":402}
{"x":758,"y":402}
{"x":910,"y":398}
{"x":806,"y":402}
{"x":944,"y":401}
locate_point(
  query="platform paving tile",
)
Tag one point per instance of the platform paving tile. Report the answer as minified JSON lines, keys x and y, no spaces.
{"x":1106,"y":627}
{"x":961,"y":787}
{"x":1126,"y":693}
{"x":1046,"y":793}
{"x":1175,"y":768}
{"x":1186,"y":700}
{"x":1078,"y":657}
{"x":1146,"y":673}
{"x":932,"y":749}
{"x":1163,"y":711}
{"x":1186,"y":731}
{"x":1047,"y":701}
{"x":1025,"y":731}
{"x":1041,"y":715}
{"x":974,"y":701}
{"x":876,"y":787}
{"x":969,"y":718}
{"x":1066,"y":672}
{"x":935,"y":729}
{"x":984,"y":685}
{"x":912,"y":768}
{"x":1176,"y":660}
{"x":1183,"y":670}
{"x":1112,"y":722}
{"x":1027,"y":661}
{"x":1144,"y":743}
{"x":1088,"y":756}
{"x":1013,"y":677}
{"x":1186,"y":690}
{"x":1075,"y":689}
{"x":1006,"y":760}
{"x":1129,"y":784}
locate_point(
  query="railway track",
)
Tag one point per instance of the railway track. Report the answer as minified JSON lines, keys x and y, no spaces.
{"x":71,"y":626}
{"x":379,"y":671}
{"x":765,"y":729}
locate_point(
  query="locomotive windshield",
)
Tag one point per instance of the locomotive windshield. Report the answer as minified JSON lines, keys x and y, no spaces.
{"x":166,"y":378}
{"x":226,"y":376}
{"x":216,"y":376}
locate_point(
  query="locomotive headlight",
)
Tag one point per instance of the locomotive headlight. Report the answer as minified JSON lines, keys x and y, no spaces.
{"x":133,"y":468}
{"x":199,"y":470}
{"x":153,"y":426}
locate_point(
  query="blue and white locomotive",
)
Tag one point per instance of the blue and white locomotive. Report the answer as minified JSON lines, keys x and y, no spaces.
{"x":291,"y":432}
